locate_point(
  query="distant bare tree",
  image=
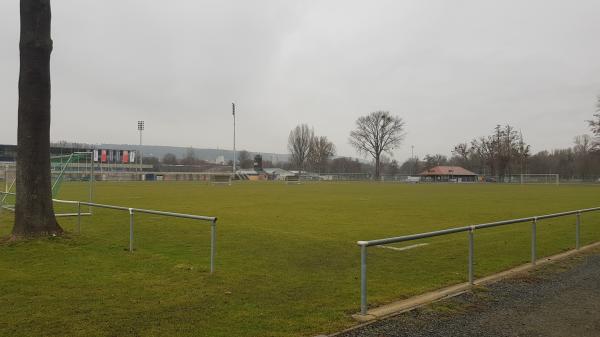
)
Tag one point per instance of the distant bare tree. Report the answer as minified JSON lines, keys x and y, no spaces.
{"x":169,"y":159}
{"x":389,"y":166}
{"x":595,"y":125}
{"x":462,"y":150}
{"x":377,"y":133}
{"x":245,"y":160}
{"x":462,"y":154}
{"x":411,"y":166}
{"x":190,"y":157}
{"x":321,"y":149}
{"x":299,"y":142}
{"x":507,"y":149}
{"x":583,"y":145}
{"x":148,"y":160}
{"x":523,"y":152}
{"x":345,"y":165}
{"x":435,"y":160}
{"x":585,"y":158}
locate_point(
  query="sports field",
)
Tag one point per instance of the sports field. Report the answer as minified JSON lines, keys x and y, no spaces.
{"x":287,"y":259}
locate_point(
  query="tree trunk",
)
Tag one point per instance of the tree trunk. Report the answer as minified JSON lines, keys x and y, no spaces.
{"x":377,"y":167}
{"x":34,"y":213}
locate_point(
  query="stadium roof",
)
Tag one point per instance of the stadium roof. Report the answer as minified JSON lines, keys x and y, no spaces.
{"x":447,"y":171}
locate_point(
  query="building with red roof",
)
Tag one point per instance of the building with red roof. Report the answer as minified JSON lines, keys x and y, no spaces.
{"x":448,"y":174}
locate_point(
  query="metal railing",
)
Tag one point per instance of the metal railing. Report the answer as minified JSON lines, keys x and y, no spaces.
{"x":470,"y":230}
{"x":132,"y":211}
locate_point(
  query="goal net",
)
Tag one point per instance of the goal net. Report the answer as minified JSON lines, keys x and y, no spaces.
{"x":8,"y":177}
{"x":72,"y":179}
{"x":531,"y":179}
{"x":220,"y":179}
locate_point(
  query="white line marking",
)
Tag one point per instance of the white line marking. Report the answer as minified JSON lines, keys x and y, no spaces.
{"x":404,"y":248}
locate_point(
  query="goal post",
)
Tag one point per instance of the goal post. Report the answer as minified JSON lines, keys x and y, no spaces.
{"x":549,"y":178}
{"x":7,"y":201}
{"x":72,"y":176}
{"x":221,"y":179}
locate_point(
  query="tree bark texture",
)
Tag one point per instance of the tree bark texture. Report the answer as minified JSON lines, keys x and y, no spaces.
{"x":34,"y":212}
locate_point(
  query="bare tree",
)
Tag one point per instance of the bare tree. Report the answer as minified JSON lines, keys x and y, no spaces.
{"x":461,"y":150}
{"x":321,"y":149}
{"x":584,"y":156}
{"x":484,"y":149}
{"x":595,"y":126}
{"x":299,"y":142}
{"x":462,"y":153}
{"x":503,"y":152}
{"x":190,"y":157}
{"x":169,"y":159}
{"x":377,"y":133}
{"x":435,"y":160}
{"x":245,"y":159}
{"x":583,"y":144}
{"x":411,"y":166}
{"x":523,"y":152}
{"x":34,"y":212}
{"x":345,"y":165}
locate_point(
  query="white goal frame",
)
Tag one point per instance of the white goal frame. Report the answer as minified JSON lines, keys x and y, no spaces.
{"x":221,"y":179}
{"x":58,"y":172}
{"x":550,"y":178}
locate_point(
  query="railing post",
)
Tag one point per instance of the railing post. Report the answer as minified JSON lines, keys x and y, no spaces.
{"x":363,"y":279}
{"x":6,"y":178}
{"x":213,"y":241}
{"x":471,"y":253}
{"x":533,"y":241}
{"x":78,"y":217}
{"x":131,"y":230}
{"x":577,"y":231}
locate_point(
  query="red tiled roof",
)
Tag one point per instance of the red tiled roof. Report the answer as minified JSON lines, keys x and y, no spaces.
{"x":447,"y":171}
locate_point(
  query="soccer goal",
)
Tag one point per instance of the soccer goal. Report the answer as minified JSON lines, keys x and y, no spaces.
{"x":72,"y":178}
{"x":220,"y":179}
{"x":7,"y":201}
{"x":533,"y":179}
{"x":292,"y":180}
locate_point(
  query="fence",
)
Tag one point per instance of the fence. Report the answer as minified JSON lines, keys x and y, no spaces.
{"x":470,"y":230}
{"x":132,"y":211}
{"x":357,"y":177}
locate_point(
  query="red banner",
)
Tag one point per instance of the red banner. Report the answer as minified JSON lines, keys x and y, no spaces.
{"x":104,"y":156}
{"x":125,"y":157}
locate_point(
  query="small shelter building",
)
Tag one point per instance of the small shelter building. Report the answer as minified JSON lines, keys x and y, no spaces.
{"x":454,"y":174}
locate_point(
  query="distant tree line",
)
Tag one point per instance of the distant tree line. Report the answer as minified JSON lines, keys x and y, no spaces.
{"x":505,"y":152}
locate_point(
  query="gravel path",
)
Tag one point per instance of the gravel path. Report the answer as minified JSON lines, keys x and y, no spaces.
{"x":559,"y":300}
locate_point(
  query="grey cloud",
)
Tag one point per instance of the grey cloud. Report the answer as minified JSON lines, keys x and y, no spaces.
{"x":452,"y":70}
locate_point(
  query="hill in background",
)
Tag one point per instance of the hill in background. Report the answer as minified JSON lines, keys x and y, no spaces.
{"x":204,"y":154}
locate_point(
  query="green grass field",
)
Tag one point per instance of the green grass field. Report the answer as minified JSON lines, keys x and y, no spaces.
{"x":287,"y":259}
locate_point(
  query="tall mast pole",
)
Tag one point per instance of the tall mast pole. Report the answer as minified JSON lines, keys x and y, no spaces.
{"x":140,"y":129}
{"x":234,"y":154}
{"x":412,"y":158}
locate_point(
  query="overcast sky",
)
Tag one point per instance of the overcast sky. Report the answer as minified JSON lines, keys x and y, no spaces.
{"x":451,"y":69}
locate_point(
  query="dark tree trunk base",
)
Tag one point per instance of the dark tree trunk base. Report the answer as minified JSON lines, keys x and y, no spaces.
{"x":58,"y":231}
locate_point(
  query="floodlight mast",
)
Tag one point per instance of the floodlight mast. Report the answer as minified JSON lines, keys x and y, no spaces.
{"x":413,"y":166}
{"x":234,"y":154}
{"x":140,"y":129}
